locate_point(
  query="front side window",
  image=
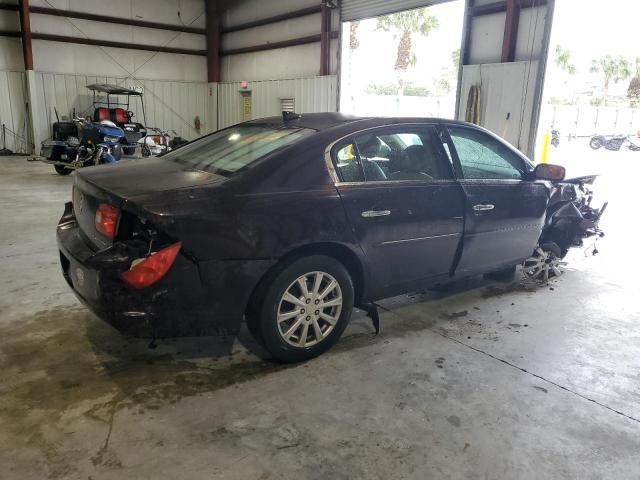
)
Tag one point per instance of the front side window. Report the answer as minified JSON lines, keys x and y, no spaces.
{"x":483,"y":157}
{"x":234,"y":149}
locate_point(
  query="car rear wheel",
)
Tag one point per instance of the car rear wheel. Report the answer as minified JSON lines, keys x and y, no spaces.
{"x":305,"y":309}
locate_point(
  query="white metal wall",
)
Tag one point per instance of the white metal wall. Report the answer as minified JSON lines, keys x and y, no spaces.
{"x":316,"y":94}
{"x":292,"y":62}
{"x":169,"y":105}
{"x":504,"y":85}
{"x":68,"y":58}
{"x":13,"y":110}
{"x":506,"y":100}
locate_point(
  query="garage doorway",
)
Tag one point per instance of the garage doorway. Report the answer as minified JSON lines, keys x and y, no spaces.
{"x":402,"y":64}
{"x":592,"y":86}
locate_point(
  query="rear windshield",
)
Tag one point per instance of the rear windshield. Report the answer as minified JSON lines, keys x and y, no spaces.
{"x":235,"y":149}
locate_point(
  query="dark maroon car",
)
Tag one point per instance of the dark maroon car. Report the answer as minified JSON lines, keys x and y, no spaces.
{"x":290,"y":222}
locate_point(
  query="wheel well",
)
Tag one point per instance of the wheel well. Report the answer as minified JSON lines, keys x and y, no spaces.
{"x":335,"y":250}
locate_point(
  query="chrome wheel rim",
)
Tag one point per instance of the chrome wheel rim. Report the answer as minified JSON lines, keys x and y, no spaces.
{"x":309,"y":309}
{"x":543,"y":266}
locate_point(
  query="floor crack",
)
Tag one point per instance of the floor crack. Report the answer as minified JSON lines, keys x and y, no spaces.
{"x":524,"y":370}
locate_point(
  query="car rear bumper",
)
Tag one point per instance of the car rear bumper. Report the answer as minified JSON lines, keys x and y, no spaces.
{"x":194,"y":298}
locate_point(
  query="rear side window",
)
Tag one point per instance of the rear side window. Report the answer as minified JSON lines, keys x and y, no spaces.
{"x":234,"y":149}
{"x":347,"y":163}
{"x":402,"y":154}
{"x":483,"y":157}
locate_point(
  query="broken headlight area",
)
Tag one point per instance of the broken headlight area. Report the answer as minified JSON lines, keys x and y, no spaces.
{"x":571,"y":218}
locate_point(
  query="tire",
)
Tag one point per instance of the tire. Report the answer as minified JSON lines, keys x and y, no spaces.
{"x":117,"y":152}
{"x":595,"y":143}
{"x":262,"y":314}
{"x":145,"y":150}
{"x":62,"y":170}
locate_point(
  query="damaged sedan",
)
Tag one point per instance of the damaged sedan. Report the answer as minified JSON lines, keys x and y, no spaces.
{"x":289,"y":222}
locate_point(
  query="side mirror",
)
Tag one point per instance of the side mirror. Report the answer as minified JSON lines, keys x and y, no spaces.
{"x":545,"y":171}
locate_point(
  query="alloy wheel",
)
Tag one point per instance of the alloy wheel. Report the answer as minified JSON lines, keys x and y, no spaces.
{"x":309,"y":309}
{"x":543,"y":265}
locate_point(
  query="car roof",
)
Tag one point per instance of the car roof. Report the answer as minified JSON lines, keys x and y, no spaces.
{"x":325,"y":121}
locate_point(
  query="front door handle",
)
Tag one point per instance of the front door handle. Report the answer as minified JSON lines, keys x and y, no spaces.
{"x":376,"y":213}
{"x":483,"y":207}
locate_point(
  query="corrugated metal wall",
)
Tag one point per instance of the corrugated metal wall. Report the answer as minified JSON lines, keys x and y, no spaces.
{"x":13,"y":110}
{"x":315,"y":94}
{"x":168,"y":105}
{"x":506,"y":101}
{"x":360,"y":9}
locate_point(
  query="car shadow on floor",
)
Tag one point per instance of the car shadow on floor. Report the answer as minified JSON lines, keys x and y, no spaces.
{"x":78,"y":359}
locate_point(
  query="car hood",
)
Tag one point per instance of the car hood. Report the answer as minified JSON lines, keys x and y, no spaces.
{"x":142,"y":178}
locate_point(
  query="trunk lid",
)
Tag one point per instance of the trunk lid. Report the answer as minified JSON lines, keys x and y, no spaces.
{"x":132,"y":182}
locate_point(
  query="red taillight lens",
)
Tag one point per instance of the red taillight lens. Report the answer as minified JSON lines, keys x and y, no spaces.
{"x":148,"y":271}
{"x":107,"y":220}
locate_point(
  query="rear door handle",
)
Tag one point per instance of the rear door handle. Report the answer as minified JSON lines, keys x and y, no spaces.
{"x":483,"y":207}
{"x":376,"y":213}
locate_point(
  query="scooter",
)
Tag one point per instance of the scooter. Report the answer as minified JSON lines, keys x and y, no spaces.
{"x":157,"y":143}
{"x":610,"y":142}
{"x":96,"y":143}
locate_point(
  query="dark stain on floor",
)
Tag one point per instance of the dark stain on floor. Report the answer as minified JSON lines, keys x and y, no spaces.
{"x":454,"y":315}
{"x":64,"y":360}
{"x":498,"y":291}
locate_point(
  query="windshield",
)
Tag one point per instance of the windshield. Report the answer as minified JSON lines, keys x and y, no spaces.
{"x":234,"y":149}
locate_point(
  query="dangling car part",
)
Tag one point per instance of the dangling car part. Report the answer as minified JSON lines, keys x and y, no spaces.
{"x":96,"y":143}
{"x":571,"y":219}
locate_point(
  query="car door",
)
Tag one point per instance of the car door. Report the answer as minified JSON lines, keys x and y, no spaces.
{"x":505,"y":211}
{"x":403,"y":202}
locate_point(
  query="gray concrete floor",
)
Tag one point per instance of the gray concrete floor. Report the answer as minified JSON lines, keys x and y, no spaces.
{"x":485,"y":381}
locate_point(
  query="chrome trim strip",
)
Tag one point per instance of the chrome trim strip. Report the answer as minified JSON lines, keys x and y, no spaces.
{"x":418,"y":239}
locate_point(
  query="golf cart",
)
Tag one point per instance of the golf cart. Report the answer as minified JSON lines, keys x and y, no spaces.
{"x":112,"y":109}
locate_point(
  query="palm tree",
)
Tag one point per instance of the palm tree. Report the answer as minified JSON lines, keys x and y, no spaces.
{"x":633,"y":91}
{"x":404,"y":25}
{"x":612,"y":68}
{"x":353,"y":35}
{"x":563,"y":60}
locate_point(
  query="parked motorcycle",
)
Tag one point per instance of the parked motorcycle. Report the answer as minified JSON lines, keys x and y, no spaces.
{"x":555,"y":138}
{"x":96,"y":143}
{"x":610,"y":142}
{"x":570,"y":221}
{"x":157,"y":143}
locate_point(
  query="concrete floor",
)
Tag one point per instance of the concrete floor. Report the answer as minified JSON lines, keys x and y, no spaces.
{"x":486,"y":381}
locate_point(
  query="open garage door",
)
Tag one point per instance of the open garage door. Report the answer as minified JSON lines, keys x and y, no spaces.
{"x":351,"y":10}
{"x":404,"y":63}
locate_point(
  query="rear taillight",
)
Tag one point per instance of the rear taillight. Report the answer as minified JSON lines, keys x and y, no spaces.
{"x":107,"y":220}
{"x":149,"y":270}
